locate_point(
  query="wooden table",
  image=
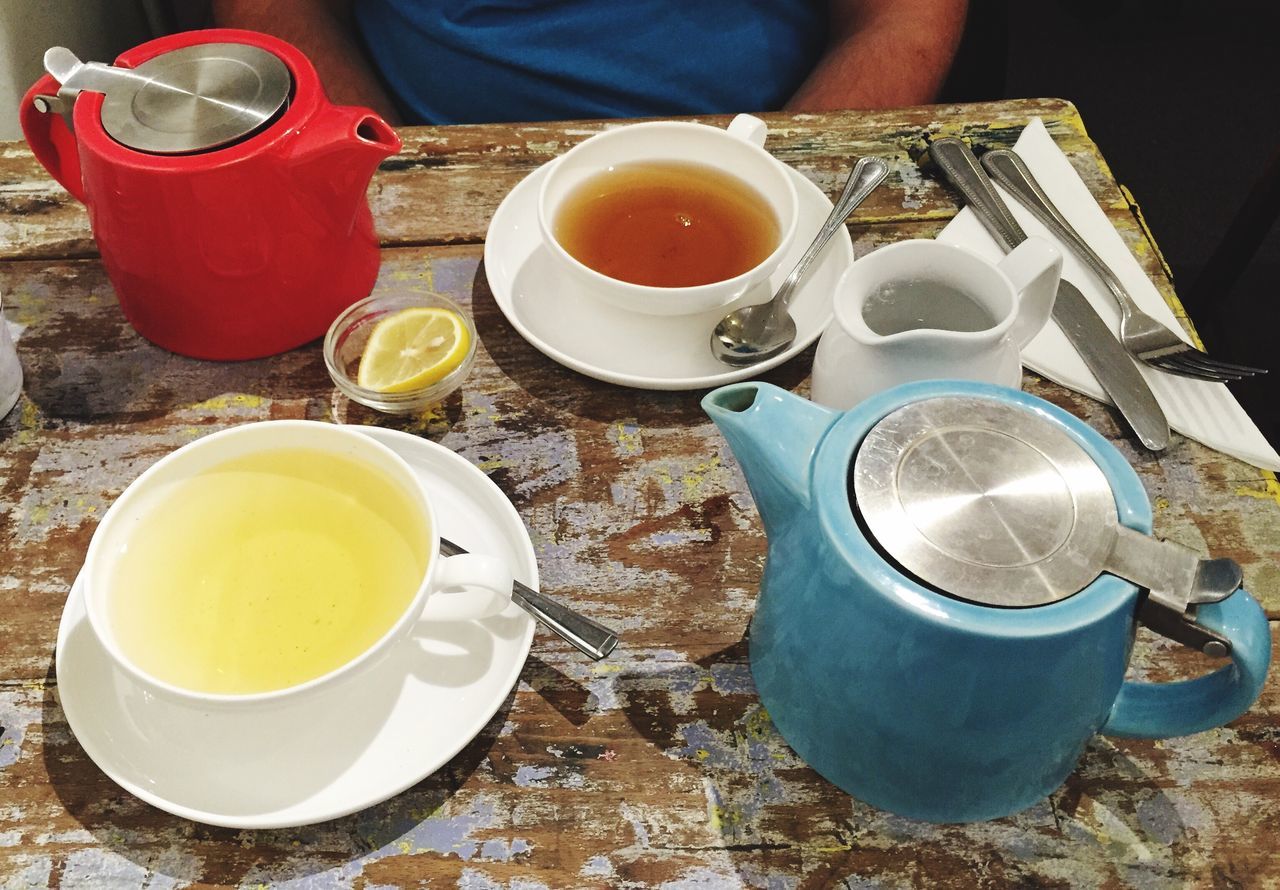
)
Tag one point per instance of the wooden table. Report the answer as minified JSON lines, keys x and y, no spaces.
{"x":657,"y":766}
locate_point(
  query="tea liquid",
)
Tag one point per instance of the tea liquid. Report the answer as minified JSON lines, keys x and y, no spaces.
{"x":265,"y":572}
{"x":667,"y":224}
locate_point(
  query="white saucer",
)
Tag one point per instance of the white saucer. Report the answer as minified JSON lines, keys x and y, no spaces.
{"x":630,"y":348}
{"x":364,"y":742}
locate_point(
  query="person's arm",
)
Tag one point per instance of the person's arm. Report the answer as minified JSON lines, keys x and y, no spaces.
{"x":882,"y":54}
{"x":324,"y":31}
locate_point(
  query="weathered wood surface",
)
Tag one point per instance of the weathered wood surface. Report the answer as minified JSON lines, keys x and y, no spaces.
{"x":657,"y":767}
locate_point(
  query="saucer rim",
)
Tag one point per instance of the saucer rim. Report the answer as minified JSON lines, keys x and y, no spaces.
{"x":504,"y":297}
{"x":519,"y":647}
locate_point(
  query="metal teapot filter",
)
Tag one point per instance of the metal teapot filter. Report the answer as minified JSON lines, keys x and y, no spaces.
{"x":192,"y":99}
{"x":993,"y":504}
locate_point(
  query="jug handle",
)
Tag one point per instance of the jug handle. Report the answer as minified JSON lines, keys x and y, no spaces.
{"x":51,"y":140}
{"x":1035,"y":268}
{"x":1164,"y":710}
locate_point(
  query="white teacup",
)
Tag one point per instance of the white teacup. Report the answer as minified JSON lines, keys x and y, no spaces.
{"x":436,"y":587}
{"x":736,"y":151}
{"x":925,"y":310}
{"x":10,"y":368}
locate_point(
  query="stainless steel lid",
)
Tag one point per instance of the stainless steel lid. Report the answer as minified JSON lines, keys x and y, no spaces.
{"x":189,"y":100}
{"x":985,"y":501}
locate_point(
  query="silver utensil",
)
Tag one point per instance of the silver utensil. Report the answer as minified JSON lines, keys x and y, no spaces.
{"x":1079,"y":321}
{"x":1141,"y":334}
{"x":587,"y":636}
{"x":756,"y":333}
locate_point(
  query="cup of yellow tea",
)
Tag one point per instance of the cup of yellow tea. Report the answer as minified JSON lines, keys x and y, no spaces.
{"x":670,"y":217}
{"x":269,"y":560}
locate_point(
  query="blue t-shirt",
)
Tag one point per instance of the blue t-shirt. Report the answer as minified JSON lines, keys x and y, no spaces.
{"x":472,"y":61}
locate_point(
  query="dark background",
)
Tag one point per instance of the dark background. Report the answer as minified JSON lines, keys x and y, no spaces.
{"x":1183,"y":100}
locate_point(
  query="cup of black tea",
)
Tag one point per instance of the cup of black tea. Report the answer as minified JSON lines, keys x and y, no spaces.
{"x":670,"y":218}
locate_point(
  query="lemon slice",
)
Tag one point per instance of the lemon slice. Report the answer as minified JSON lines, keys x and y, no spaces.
{"x":413,"y":348}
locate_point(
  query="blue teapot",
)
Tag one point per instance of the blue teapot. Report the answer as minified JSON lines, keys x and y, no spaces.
{"x":915,"y":701}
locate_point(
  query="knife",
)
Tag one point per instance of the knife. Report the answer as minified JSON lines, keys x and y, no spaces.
{"x":1103,"y":354}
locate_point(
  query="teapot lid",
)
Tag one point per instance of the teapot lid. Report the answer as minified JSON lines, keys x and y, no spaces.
{"x":197,"y":98}
{"x":187,"y":100}
{"x":985,"y":501}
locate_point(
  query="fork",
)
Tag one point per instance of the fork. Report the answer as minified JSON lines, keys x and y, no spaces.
{"x":1144,"y":337}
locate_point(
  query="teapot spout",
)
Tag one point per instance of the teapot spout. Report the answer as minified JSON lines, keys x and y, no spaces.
{"x":369,"y":140}
{"x":340,"y":149}
{"x":774,"y":435}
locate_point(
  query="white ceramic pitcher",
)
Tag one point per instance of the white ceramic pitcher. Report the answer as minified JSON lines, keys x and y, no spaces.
{"x":854,"y":361}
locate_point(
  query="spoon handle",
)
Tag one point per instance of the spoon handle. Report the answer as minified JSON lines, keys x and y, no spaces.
{"x":587,"y":636}
{"x":866,"y":175}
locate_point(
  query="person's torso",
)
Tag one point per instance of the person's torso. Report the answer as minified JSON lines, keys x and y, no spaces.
{"x":458,"y":61}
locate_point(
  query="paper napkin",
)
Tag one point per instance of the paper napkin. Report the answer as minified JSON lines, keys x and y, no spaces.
{"x":1204,"y":411}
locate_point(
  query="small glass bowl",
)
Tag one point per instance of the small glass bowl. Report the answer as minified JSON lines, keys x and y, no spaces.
{"x":349,"y":333}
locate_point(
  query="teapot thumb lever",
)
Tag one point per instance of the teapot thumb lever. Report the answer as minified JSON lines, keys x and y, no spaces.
{"x":62,"y":63}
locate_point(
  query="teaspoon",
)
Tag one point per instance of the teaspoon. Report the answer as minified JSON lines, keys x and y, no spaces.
{"x":756,"y":333}
{"x":587,"y":636}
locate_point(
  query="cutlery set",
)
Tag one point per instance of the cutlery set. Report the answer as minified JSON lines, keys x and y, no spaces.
{"x":1145,"y":338}
{"x":1108,"y":358}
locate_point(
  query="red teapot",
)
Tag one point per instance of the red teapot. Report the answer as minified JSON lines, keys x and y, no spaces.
{"x":226,"y":193}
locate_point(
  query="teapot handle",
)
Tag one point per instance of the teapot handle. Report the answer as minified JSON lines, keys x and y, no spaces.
{"x":51,"y":140}
{"x":1164,"y":710}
